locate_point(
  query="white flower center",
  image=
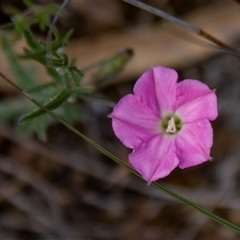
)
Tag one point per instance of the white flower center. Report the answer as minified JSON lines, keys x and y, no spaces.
{"x":171,"y":128}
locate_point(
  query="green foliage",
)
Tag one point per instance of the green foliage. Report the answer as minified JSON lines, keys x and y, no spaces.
{"x":76,"y":75}
{"x":112,"y":66}
{"x":24,"y":77}
{"x":65,"y":77}
{"x":13,"y":107}
{"x":51,"y":104}
{"x":37,"y":125}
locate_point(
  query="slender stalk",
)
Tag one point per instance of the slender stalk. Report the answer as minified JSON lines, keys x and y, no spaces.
{"x":51,"y":28}
{"x":184,"y":24}
{"x":119,"y":161}
{"x":197,"y":207}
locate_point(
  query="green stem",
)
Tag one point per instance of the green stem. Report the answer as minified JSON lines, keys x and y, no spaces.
{"x":119,"y":161}
{"x":197,"y":207}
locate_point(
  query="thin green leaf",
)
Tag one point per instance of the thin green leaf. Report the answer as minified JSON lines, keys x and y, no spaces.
{"x":28,"y":3}
{"x":42,"y":87}
{"x":13,"y":107}
{"x":67,"y":36}
{"x":50,"y":9}
{"x":44,"y":15}
{"x":37,"y":125}
{"x":113,"y":66}
{"x":30,"y":39}
{"x":29,"y":54}
{"x":10,"y":10}
{"x":82,"y":90}
{"x":24,"y":78}
{"x":41,"y":127}
{"x":72,"y":113}
{"x":76,"y":75}
{"x":42,"y":50}
{"x":52,"y":104}
{"x":54,"y":73}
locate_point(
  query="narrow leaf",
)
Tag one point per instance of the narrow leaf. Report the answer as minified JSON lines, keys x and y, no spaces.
{"x":83,"y":90}
{"x":76,"y":75}
{"x":52,"y":104}
{"x":23,"y":77}
{"x":67,"y":36}
{"x":28,"y":3}
{"x":37,"y":125}
{"x":31,"y":40}
{"x":113,"y":66}
{"x":41,"y":127}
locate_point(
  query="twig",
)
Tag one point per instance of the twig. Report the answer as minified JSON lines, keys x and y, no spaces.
{"x":51,"y":27}
{"x":184,"y":24}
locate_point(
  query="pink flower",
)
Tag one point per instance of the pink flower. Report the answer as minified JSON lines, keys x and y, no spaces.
{"x":165,"y":123}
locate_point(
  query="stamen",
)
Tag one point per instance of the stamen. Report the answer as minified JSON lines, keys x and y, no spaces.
{"x":171,"y":128}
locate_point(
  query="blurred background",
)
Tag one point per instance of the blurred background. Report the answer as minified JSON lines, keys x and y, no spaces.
{"x":66,"y":189}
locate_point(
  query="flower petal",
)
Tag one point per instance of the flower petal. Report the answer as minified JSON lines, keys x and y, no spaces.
{"x":157,"y":89}
{"x":155,"y":158}
{"x":193,"y":143}
{"x":133,"y":122}
{"x":144,"y":89}
{"x":195,"y":101}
